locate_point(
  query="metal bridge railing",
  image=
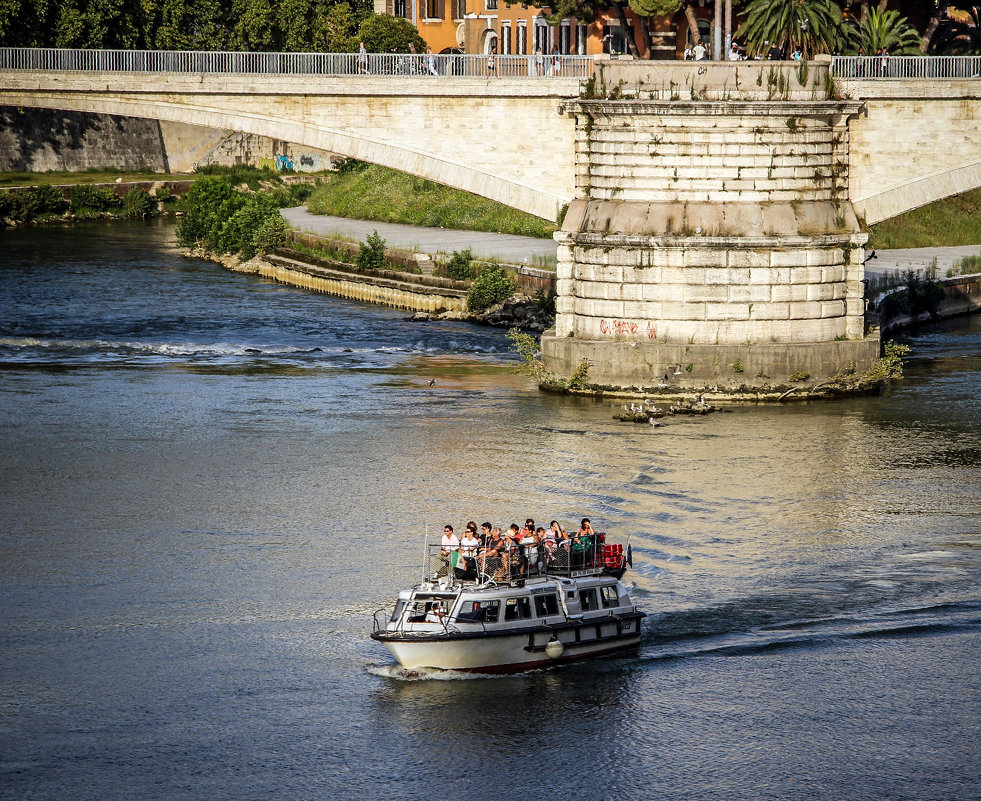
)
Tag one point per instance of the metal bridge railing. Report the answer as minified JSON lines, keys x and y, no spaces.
{"x":876,"y":68}
{"x":391,"y":64}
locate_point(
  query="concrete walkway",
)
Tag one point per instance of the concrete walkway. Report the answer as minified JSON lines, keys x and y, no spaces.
{"x":501,"y":247}
{"x":921,"y":259}
{"x":532,"y":251}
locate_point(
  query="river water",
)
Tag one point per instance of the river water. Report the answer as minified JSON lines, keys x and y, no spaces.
{"x":209,"y":482}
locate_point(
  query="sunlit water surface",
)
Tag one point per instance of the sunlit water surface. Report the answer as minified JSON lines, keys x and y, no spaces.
{"x":209,"y":482}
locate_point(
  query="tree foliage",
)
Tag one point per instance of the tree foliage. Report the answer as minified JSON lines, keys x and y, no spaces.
{"x":812,"y":25}
{"x":383,"y":33}
{"x":256,"y":25}
{"x":956,"y":37}
{"x":879,"y":29}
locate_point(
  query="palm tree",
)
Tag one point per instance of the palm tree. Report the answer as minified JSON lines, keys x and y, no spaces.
{"x":957,"y":38}
{"x":812,"y":25}
{"x":880,"y":29}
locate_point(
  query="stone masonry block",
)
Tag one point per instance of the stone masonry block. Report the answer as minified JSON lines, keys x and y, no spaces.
{"x":705,"y":258}
{"x":789,"y":293}
{"x":805,"y":311}
{"x":638,"y":310}
{"x":742,"y":293}
{"x":833,"y":308}
{"x":769,"y":311}
{"x":661,"y":292}
{"x":820,"y":291}
{"x":707,"y":294}
{"x":726,"y":311}
{"x":748,"y":258}
{"x":608,"y":309}
{"x":683,"y":311}
{"x":595,"y":272}
{"x":565,"y":287}
{"x":788,"y":258}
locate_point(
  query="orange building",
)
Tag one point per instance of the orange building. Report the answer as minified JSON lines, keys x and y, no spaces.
{"x":485,"y":26}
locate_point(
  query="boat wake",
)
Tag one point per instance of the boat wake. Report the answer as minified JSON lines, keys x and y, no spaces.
{"x":665,"y":637}
{"x":400,"y":673}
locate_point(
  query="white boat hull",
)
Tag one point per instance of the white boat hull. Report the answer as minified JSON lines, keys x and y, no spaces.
{"x":512,"y":652}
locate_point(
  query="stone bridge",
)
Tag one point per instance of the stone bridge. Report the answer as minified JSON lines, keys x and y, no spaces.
{"x":712,"y":238}
{"x":912,"y":141}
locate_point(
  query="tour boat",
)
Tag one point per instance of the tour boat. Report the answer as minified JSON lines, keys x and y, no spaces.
{"x":540,"y":608}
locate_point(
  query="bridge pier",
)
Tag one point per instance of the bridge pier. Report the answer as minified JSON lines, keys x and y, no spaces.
{"x":713,"y":245}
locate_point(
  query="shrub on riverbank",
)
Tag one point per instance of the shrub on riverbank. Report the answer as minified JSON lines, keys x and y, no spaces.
{"x":222,"y":216}
{"x":371,"y":192}
{"x":954,"y":221}
{"x":493,"y":285}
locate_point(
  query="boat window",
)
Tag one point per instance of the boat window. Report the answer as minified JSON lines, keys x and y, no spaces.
{"x":426,"y":610}
{"x":546,"y":605}
{"x":587,"y":599}
{"x":609,"y":596}
{"x":517,"y":608}
{"x":397,"y":614}
{"x":480,"y":611}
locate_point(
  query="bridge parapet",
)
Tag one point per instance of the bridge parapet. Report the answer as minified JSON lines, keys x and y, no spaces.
{"x":399,"y":65}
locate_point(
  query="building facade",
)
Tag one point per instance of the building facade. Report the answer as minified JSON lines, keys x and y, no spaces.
{"x":495,"y":26}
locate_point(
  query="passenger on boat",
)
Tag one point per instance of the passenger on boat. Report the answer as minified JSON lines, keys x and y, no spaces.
{"x":561,"y":538}
{"x":449,"y":544}
{"x":469,"y":543}
{"x":549,"y":549}
{"x":435,"y":612}
{"x":582,"y":544}
{"x":529,"y":528}
{"x":515,"y":563}
{"x":485,"y":532}
{"x":529,"y":540}
{"x":450,"y":541}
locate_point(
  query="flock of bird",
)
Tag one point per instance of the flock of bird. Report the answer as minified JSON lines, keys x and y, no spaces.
{"x":651,"y":413}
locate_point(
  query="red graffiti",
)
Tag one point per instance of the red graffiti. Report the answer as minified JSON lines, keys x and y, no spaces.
{"x":617,"y":327}
{"x":651,"y":330}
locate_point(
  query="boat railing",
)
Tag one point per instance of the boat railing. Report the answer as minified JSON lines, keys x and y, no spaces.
{"x":505,"y":563}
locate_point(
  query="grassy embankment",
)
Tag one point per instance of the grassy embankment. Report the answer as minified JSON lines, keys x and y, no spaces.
{"x":954,"y":221}
{"x":93,"y":176}
{"x":370,"y":192}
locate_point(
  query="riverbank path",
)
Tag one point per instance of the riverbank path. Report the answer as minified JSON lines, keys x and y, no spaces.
{"x":536,"y":252}
{"x":507,"y":248}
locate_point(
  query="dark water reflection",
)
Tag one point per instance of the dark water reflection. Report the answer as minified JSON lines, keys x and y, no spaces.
{"x":210,"y":482}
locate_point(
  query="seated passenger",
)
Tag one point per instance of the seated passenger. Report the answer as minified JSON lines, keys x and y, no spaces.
{"x":435,"y":612}
{"x":582,"y":543}
{"x":469,"y":543}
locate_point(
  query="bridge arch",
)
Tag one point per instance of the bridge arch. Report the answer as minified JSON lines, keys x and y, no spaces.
{"x":500,"y":138}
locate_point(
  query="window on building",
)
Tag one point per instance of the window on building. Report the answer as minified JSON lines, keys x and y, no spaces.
{"x":704,"y":30}
{"x":505,"y":39}
{"x":434,"y":9}
{"x":459,"y":9}
{"x":541,"y":35}
{"x":614,"y":41}
{"x":490,"y":5}
{"x":522,"y":43}
{"x":564,"y":38}
{"x":581,"y":31}
{"x":399,"y":8}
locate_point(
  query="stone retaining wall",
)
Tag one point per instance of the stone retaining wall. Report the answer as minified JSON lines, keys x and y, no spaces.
{"x":963,"y":297}
{"x":399,"y":294}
